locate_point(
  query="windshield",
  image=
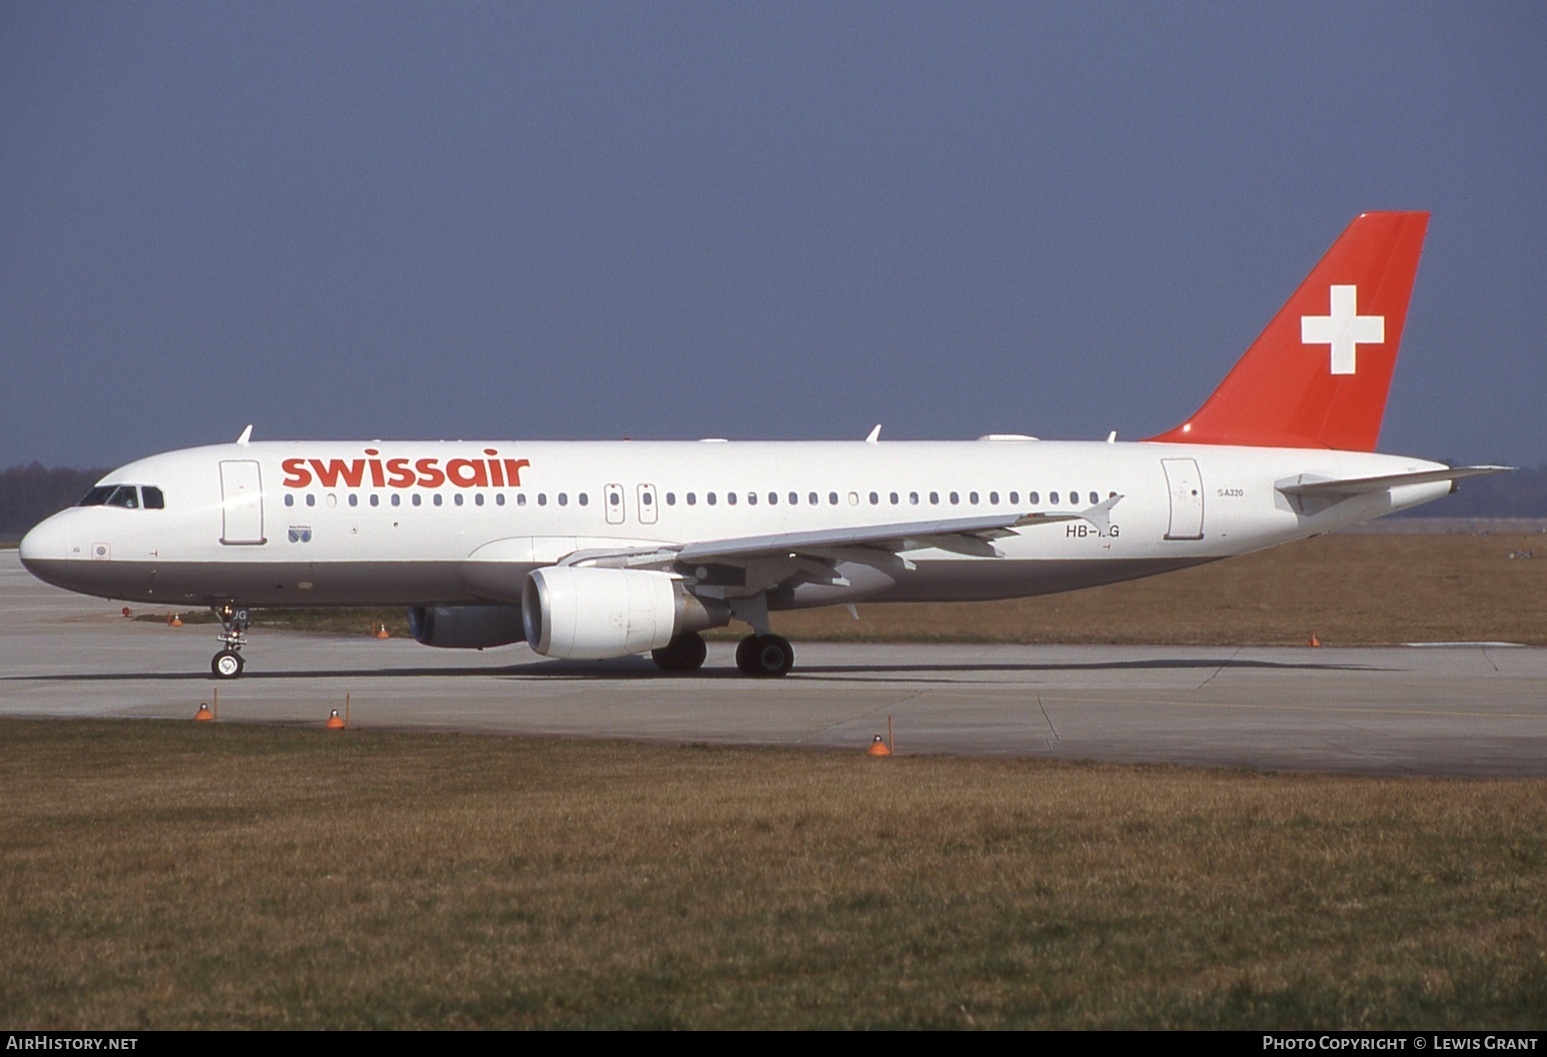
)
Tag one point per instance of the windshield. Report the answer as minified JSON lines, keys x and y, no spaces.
{"x":127,"y":496}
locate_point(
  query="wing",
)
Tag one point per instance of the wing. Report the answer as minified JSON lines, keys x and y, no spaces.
{"x":813,"y":556}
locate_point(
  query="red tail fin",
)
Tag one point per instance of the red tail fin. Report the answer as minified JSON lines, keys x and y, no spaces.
{"x":1317,"y":377}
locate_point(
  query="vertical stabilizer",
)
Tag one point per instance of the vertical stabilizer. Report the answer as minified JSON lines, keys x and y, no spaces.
{"x":1318,"y":376}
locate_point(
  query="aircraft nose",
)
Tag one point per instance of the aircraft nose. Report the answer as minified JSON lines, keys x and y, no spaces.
{"x":48,"y":541}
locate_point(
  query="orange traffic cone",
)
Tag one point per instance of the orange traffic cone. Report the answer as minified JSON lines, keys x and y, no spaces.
{"x":878,"y":747}
{"x":203,"y":715}
{"x":335,"y":721}
{"x":1314,"y":640}
{"x":176,"y":621}
{"x":381,"y":632}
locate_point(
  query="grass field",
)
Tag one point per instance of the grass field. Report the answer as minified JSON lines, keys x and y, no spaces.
{"x":164,"y":875}
{"x":1349,"y":590}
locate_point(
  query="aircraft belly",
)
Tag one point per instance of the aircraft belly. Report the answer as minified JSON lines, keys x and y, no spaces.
{"x":972,"y":580}
{"x":366,"y":583}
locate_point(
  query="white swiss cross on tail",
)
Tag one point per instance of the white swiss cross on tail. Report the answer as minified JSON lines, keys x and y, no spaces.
{"x":1344,"y":329}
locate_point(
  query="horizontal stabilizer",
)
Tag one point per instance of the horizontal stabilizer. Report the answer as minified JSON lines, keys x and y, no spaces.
{"x":1310,"y":485}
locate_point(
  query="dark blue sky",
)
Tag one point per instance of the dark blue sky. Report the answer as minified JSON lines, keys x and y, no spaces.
{"x":745,"y":220}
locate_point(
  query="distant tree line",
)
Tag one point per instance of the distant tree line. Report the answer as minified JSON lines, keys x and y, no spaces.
{"x":31,"y":492}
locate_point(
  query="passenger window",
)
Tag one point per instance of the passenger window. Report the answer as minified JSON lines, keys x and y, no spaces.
{"x":709,"y":499}
{"x":832,"y":498}
{"x":730,"y":497}
{"x":814,"y":499}
{"x":993,"y":498}
{"x":955,"y":499}
{"x":613,"y":499}
{"x":397,"y":499}
{"x":153,"y":498}
{"x":417,"y":500}
{"x":585,"y":500}
{"x":972,"y":497}
{"x":1015,"y":497}
{"x":563,"y":499}
{"x":520,"y":499}
{"x":375,"y":499}
{"x":1033,"y":498}
{"x":499,"y":498}
{"x":894,"y":499}
{"x":354,"y":500}
{"x":542,"y":498}
{"x":477,"y":499}
{"x":854,"y":499}
{"x":934,"y":498}
{"x":311,"y":500}
{"x":692,"y":499}
{"x":913,"y":499}
{"x":1052,"y":497}
{"x":436,"y":500}
{"x":457,"y":499}
{"x":289,"y":500}
{"x":773,"y":498}
{"x":794,"y":499}
{"x":671,"y":498}
{"x":875,"y":499}
{"x":752,"y":499}
{"x":1095,"y":498}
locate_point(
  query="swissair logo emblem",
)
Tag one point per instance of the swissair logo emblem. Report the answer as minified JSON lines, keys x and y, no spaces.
{"x":1344,"y":329}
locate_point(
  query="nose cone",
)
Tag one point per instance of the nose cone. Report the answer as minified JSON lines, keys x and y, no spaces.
{"x":46,"y":547}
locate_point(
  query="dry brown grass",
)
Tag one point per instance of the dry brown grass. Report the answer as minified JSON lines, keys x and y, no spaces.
{"x":172,"y":876}
{"x":1350,"y":590}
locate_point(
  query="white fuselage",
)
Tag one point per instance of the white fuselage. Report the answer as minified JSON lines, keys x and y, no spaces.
{"x":454,"y":523}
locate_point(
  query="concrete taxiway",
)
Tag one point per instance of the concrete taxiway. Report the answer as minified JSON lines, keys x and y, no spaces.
{"x":1455,"y":710}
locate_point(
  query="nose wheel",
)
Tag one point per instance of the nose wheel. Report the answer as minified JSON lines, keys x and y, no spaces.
{"x":227,"y":664}
{"x":234,"y":621}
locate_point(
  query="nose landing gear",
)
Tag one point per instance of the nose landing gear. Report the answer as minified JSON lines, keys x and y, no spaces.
{"x":228,"y":663}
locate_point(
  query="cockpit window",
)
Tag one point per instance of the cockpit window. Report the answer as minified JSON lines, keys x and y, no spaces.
{"x":127,"y":496}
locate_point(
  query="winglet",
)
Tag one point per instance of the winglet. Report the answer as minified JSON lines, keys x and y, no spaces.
{"x":1318,"y":376}
{"x":875,"y":435}
{"x":246,"y":435}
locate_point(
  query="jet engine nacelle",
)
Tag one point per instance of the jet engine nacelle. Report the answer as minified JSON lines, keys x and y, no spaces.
{"x":595,"y":613}
{"x":466,"y":627}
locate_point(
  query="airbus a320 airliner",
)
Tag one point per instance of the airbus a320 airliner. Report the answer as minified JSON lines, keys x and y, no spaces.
{"x":604,"y":549}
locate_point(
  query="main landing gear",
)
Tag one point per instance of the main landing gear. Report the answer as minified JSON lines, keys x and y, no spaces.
{"x":228,"y":663}
{"x":760,"y":656}
{"x":685,"y":653}
{"x":764,"y":656}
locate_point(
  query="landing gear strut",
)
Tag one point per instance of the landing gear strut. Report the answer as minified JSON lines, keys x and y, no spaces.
{"x":685,"y":653}
{"x":764,"y":656}
{"x":228,"y":663}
